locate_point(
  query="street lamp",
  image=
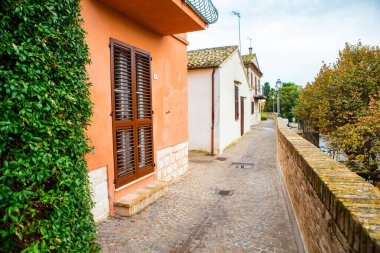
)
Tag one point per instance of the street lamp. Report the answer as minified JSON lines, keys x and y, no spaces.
{"x":278,"y":86}
{"x":237,"y":14}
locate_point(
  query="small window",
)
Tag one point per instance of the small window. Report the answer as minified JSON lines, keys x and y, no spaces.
{"x":236,"y":102}
{"x":252,"y":107}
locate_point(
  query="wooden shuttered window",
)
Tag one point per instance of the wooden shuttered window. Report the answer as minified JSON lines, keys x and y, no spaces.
{"x":236,"y":102}
{"x":131,"y":112}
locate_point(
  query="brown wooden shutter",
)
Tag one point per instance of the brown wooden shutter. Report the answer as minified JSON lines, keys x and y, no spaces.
{"x":144,"y":112}
{"x":144,"y":109}
{"x":132,"y":112}
{"x":236,"y":102}
{"x":125,"y":153}
{"x":123,"y":83}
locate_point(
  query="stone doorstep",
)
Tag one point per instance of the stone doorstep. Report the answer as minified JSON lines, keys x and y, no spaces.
{"x":136,"y":201}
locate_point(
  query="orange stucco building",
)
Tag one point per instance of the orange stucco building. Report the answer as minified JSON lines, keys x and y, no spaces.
{"x":139,"y":127}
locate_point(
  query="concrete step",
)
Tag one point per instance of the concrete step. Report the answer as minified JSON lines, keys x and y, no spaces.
{"x":136,"y":201}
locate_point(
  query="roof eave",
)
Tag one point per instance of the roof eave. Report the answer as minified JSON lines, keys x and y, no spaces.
{"x":203,"y":67}
{"x":255,"y":67}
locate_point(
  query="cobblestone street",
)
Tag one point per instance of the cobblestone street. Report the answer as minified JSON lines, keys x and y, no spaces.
{"x":198,"y":214}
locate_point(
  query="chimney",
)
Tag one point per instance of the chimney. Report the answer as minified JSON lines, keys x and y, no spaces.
{"x":250,"y":50}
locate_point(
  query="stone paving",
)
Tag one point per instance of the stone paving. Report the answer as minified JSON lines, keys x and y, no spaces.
{"x":195,"y":217}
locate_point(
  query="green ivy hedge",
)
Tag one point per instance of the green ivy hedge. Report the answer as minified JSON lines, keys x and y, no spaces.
{"x":45,"y":108}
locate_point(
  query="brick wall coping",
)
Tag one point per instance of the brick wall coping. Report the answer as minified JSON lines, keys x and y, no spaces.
{"x":352,"y":202}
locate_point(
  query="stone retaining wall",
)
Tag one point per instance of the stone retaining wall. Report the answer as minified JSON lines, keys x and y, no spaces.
{"x":336,"y":210}
{"x":172,"y":162}
{"x":98,"y":179}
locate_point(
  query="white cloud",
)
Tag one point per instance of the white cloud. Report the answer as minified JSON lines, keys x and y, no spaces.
{"x":293,"y":37}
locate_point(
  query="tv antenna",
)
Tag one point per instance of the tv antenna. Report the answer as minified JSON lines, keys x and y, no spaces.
{"x":250,"y":41}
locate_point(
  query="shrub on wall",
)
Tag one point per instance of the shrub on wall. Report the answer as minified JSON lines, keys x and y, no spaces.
{"x":45,"y":202}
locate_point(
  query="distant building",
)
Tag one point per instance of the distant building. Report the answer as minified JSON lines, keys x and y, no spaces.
{"x":219,"y":98}
{"x":257,"y":93}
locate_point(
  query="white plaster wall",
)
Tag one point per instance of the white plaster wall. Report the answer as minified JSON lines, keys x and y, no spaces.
{"x":256,"y":117}
{"x":229,"y":128}
{"x":98,"y":179}
{"x":199,"y":104}
{"x":217,"y":123}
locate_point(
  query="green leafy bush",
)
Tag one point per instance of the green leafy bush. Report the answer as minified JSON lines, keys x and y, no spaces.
{"x":264,"y":116}
{"x":45,"y":108}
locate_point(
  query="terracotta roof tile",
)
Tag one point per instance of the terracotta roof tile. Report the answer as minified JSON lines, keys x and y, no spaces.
{"x":208,"y":57}
{"x":248,"y":58}
{"x":251,"y":59}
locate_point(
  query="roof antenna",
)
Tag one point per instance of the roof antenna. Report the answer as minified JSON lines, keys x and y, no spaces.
{"x":250,"y":45}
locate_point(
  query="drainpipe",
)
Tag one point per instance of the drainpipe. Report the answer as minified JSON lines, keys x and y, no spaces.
{"x":212,"y":110}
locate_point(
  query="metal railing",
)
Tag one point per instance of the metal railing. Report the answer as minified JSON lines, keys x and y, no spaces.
{"x":308,"y":133}
{"x":259,"y":90}
{"x":205,"y":9}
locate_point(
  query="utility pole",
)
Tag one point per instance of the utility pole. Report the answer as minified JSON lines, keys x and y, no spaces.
{"x":278,"y":103}
{"x":237,"y":14}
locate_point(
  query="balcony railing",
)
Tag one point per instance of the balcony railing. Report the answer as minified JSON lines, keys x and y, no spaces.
{"x":260,"y":91}
{"x":205,"y":9}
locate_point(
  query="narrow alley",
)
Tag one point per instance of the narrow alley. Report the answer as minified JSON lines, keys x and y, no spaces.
{"x":227,"y":203}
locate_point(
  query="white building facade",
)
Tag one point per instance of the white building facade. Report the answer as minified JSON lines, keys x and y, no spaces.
{"x":219,"y":99}
{"x":257,"y":92}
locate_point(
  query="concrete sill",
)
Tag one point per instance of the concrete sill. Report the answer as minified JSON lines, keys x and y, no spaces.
{"x":138,"y":200}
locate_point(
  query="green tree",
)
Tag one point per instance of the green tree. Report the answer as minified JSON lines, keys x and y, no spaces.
{"x":268,"y":107}
{"x":266,"y":88}
{"x":271,"y":101}
{"x":289,"y":94}
{"x":360,"y":141}
{"x":338,"y":102}
{"x":45,"y":108}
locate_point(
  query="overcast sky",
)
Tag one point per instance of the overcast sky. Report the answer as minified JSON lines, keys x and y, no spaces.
{"x":292,"y":37}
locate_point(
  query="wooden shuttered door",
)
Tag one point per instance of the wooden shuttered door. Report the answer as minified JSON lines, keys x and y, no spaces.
{"x":236,"y":102}
{"x":131,"y":112}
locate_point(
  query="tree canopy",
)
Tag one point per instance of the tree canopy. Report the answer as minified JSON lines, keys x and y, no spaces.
{"x":289,"y":93}
{"x":342,"y":102}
